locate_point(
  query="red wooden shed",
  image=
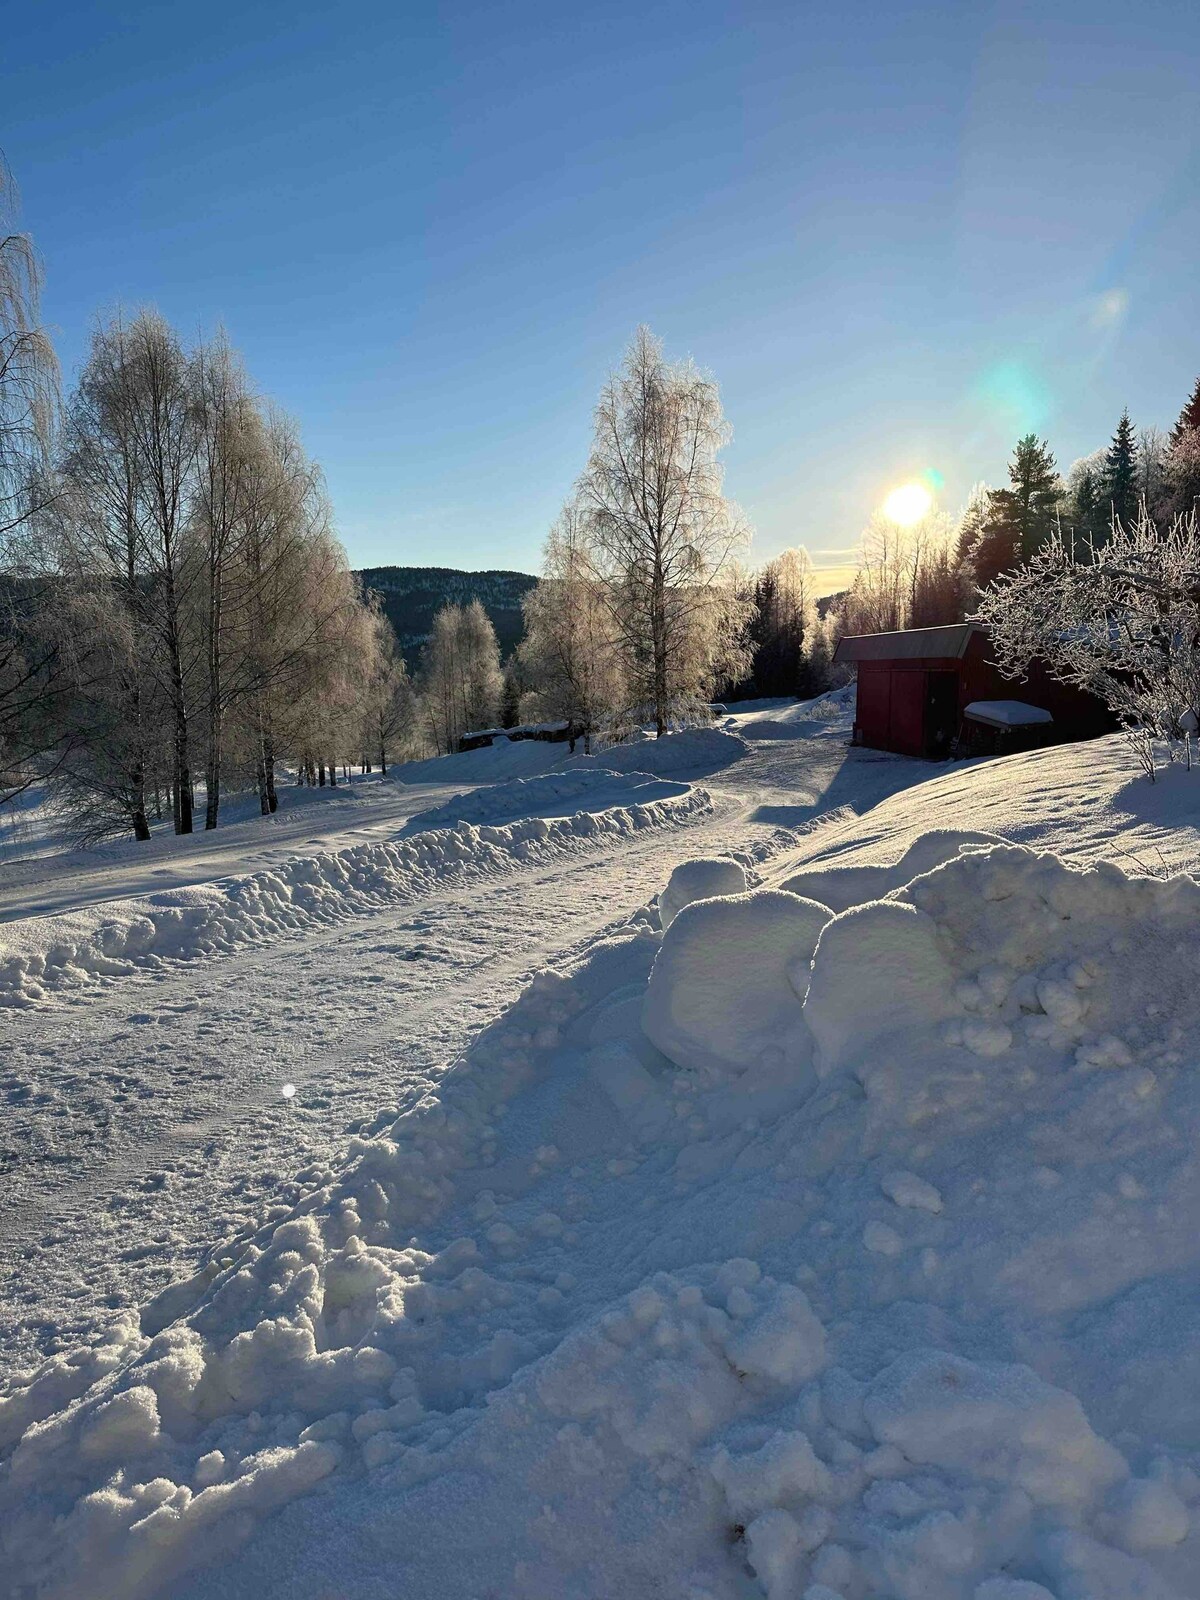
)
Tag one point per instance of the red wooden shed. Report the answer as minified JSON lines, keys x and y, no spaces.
{"x":915,"y":687}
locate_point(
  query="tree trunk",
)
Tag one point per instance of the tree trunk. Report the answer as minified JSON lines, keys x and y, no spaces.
{"x":658,"y":639}
{"x":212,"y":769}
{"x":260,"y":778}
{"x":269,"y":762}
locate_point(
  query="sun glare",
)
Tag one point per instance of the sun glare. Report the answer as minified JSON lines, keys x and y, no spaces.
{"x":907,"y":504}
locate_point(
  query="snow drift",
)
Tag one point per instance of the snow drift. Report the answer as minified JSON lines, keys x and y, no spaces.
{"x":914,"y":1324}
{"x":41,"y":955}
{"x":549,"y":794}
{"x":690,"y":751}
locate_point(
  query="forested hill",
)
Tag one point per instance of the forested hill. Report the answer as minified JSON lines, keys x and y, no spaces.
{"x":412,"y":595}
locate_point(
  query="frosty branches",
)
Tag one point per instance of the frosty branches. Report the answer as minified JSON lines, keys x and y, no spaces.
{"x":660,"y":532}
{"x":1122,"y":622}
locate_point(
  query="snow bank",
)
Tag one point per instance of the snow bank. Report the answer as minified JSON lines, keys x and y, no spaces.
{"x":507,"y":758}
{"x":42,"y":955}
{"x":843,"y":886}
{"x":693,"y":750}
{"x":582,"y":1323}
{"x":550,"y":794}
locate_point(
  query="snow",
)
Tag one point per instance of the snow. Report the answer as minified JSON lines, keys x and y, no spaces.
{"x":729,"y":980}
{"x":42,"y":955}
{"x":702,"y":879}
{"x":770,"y":1243}
{"x":1006,"y":713}
{"x":677,"y":754}
{"x":553,"y":794}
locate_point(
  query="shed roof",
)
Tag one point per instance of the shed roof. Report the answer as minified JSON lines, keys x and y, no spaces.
{"x":909,"y":644}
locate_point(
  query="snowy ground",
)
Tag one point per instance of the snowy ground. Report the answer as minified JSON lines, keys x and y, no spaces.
{"x":592,"y":1260}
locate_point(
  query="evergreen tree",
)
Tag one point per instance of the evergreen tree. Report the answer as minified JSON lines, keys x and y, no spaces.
{"x":1118,"y":487}
{"x":1019,"y":520}
{"x":1189,"y":417}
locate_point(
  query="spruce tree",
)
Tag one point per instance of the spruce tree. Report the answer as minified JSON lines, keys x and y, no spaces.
{"x":1119,"y":480}
{"x":1017,"y":521}
{"x":1084,"y":509}
{"x":1189,"y":417}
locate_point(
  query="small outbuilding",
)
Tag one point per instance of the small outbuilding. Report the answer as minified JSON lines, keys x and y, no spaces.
{"x":935,"y":692}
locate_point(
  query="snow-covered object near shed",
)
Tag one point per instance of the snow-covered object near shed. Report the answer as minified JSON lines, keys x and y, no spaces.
{"x":1007,"y":714}
{"x":581,"y":1323}
{"x":729,"y":981}
{"x":702,"y":879}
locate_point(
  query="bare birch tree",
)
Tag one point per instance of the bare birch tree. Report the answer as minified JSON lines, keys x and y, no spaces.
{"x":462,"y":684}
{"x":569,"y":653}
{"x":662,"y":532}
{"x":31,"y":685}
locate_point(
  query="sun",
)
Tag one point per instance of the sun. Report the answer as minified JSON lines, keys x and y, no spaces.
{"x":908,"y":504}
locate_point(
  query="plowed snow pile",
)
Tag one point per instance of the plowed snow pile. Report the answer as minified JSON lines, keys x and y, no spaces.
{"x":551,"y":794}
{"x":881,"y":1285}
{"x":41,"y":955}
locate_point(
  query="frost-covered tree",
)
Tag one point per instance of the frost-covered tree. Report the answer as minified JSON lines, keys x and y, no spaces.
{"x":132,"y":445}
{"x":907,"y":576}
{"x":1183,"y":473}
{"x":388,"y":700}
{"x":31,"y":684}
{"x":1152,"y":446}
{"x":1122,"y":622}
{"x":28,"y":375}
{"x":462,"y":683}
{"x":570,"y":654}
{"x":662,"y":534}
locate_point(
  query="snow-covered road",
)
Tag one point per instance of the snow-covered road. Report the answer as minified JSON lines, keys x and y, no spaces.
{"x":144,"y":1119}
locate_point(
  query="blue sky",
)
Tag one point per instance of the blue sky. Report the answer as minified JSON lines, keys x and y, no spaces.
{"x":899,"y":234}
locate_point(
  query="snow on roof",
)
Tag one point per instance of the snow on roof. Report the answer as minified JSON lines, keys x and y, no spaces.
{"x":1006,"y":713}
{"x":909,"y":644}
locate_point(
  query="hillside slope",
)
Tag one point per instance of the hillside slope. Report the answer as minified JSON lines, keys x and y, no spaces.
{"x":412,"y":596}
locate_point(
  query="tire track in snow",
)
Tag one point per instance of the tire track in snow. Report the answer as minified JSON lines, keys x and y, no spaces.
{"x":205,"y":1142}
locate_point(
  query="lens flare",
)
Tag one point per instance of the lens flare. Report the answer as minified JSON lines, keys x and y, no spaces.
{"x":908,"y":504}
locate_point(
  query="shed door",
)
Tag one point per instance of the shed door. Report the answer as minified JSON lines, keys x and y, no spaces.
{"x":874,"y":697}
{"x":941,"y":713}
{"x":908,"y":711}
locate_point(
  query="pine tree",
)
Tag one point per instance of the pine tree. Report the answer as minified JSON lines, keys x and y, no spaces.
{"x":1189,"y":417}
{"x":1118,"y":487}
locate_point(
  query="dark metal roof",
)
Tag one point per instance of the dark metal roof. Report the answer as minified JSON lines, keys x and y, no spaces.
{"x":910,"y":644}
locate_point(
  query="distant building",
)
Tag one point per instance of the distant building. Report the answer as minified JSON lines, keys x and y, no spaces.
{"x":934,"y":692}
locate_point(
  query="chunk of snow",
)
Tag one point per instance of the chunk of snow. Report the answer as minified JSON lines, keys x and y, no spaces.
{"x":703,"y":879}
{"x":906,"y":1189}
{"x":723,"y":991}
{"x":993,"y":1420}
